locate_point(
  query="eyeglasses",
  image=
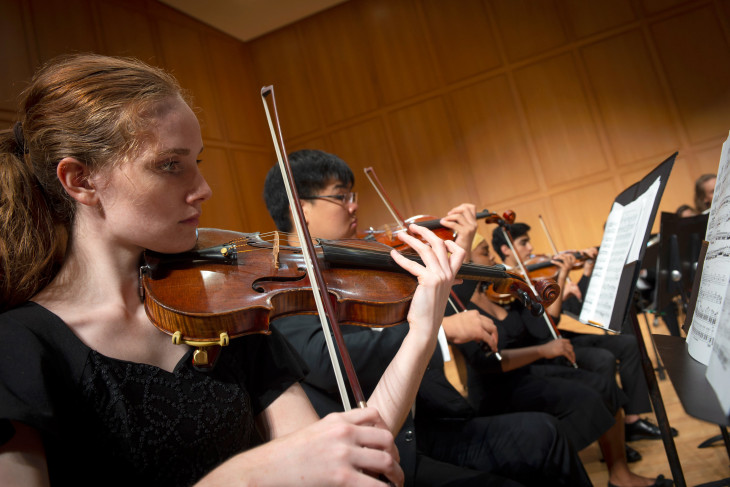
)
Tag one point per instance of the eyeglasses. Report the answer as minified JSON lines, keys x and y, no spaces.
{"x":345,"y":198}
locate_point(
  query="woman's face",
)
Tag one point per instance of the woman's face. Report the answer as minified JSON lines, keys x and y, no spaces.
{"x":154,"y":200}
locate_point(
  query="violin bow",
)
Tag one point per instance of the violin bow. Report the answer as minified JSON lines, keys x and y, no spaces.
{"x":373,"y":178}
{"x":550,"y":240}
{"x":548,"y":319}
{"x":325,"y":307}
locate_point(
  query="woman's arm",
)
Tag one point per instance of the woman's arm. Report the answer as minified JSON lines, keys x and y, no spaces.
{"x":343,"y":449}
{"x":23,"y":459}
{"x":396,"y":390}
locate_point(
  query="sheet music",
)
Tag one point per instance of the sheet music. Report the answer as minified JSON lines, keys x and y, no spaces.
{"x":594,"y":308}
{"x":621,"y":244}
{"x":716,"y":273}
{"x":718,"y":369}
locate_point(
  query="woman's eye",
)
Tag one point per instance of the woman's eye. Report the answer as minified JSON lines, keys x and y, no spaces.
{"x":169,"y":166}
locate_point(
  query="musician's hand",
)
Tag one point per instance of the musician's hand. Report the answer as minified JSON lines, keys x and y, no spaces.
{"x":441,"y":261}
{"x":463,"y":221}
{"x":572,"y":289}
{"x":592,"y":254}
{"x":343,"y":449}
{"x":470,"y":326}
{"x":558,"y":348}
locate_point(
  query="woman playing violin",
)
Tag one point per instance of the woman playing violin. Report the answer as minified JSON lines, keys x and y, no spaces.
{"x":103,"y":165}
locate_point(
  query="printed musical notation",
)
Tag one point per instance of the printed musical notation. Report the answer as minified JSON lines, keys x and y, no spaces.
{"x":709,"y":337}
{"x":623,"y":237}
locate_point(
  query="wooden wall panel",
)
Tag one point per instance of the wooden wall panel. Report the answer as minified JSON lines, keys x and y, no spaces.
{"x":399,"y":44}
{"x":250,"y":170}
{"x":238,"y":101}
{"x":587,"y":18}
{"x":631,"y":99}
{"x":366,"y":145}
{"x":528,"y":27}
{"x":340,"y":64}
{"x":186,"y":57}
{"x":497,"y":147}
{"x":279,"y":59}
{"x":581,"y":213}
{"x":462,"y":38}
{"x":224,"y":209}
{"x":127,"y":30}
{"x":695,"y":54}
{"x":15,"y":56}
{"x":63,"y":26}
{"x":577,"y":98}
{"x":429,"y":155}
{"x":560,"y":120}
{"x":654,"y":6}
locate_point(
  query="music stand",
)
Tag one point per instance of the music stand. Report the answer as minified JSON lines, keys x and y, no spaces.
{"x":679,"y":248}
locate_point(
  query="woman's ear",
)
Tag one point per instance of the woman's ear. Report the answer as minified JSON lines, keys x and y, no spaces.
{"x":74,"y":176}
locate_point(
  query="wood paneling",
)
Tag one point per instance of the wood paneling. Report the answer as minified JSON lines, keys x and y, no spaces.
{"x":496,"y":146}
{"x":250,"y":170}
{"x":366,"y":145}
{"x":63,"y":26}
{"x":587,"y":18}
{"x":15,"y":56}
{"x":560,"y":119}
{"x":528,"y":27}
{"x":425,"y":148}
{"x":224,"y":209}
{"x":340,"y":63}
{"x":279,"y":60}
{"x":238,"y":98}
{"x":695,"y":55}
{"x":399,"y":44}
{"x":580,"y":223}
{"x":462,"y":38}
{"x":631,"y":98}
{"x":127,"y":30}
{"x":186,"y":57}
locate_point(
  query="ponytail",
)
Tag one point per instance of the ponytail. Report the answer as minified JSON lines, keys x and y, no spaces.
{"x":30,"y":244}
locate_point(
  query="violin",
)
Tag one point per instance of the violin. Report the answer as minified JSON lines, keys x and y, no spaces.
{"x":540,"y":267}
{"x":389,"y":236}
{"x":233,"y":284}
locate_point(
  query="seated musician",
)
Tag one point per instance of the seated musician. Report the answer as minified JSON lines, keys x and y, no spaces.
{"x":596,"y":352}
{"x":104,"y":164}
{"x":523,"y":381}
{"x":446,"y":443}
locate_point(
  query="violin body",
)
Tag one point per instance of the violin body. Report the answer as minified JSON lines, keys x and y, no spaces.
{"x":233,"y":284}
{"x":202,"y":298}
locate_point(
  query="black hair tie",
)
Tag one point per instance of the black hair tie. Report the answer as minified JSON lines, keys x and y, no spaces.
{"x":20,"y":149}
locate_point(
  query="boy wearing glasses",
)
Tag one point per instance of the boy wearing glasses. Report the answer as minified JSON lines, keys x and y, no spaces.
{"x":446,"y":443}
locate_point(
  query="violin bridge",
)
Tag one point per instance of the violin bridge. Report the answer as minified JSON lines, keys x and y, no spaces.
{"x":275,"y":250}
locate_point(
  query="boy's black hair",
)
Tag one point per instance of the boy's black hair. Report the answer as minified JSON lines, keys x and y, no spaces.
{"x":312,"y":170}
{"x":516,"y":230}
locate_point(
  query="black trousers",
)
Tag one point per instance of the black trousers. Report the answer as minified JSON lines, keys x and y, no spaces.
{"x":528,"y":447}
{"x":598,"y":352}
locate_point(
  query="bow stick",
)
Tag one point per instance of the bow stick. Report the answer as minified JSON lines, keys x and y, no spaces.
{"x":548,"y":319}
{"x":325,"y":307}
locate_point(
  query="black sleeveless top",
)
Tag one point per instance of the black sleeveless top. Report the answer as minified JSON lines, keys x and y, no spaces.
{"x":106,"y":421}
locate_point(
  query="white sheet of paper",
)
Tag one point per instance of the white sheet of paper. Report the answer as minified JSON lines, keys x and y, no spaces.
{"x":716,"y":271}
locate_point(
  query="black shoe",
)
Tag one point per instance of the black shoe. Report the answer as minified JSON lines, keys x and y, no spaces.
{"x":632,"y":456}
{"x":658,"y":482}
{"x":643,"y":429}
